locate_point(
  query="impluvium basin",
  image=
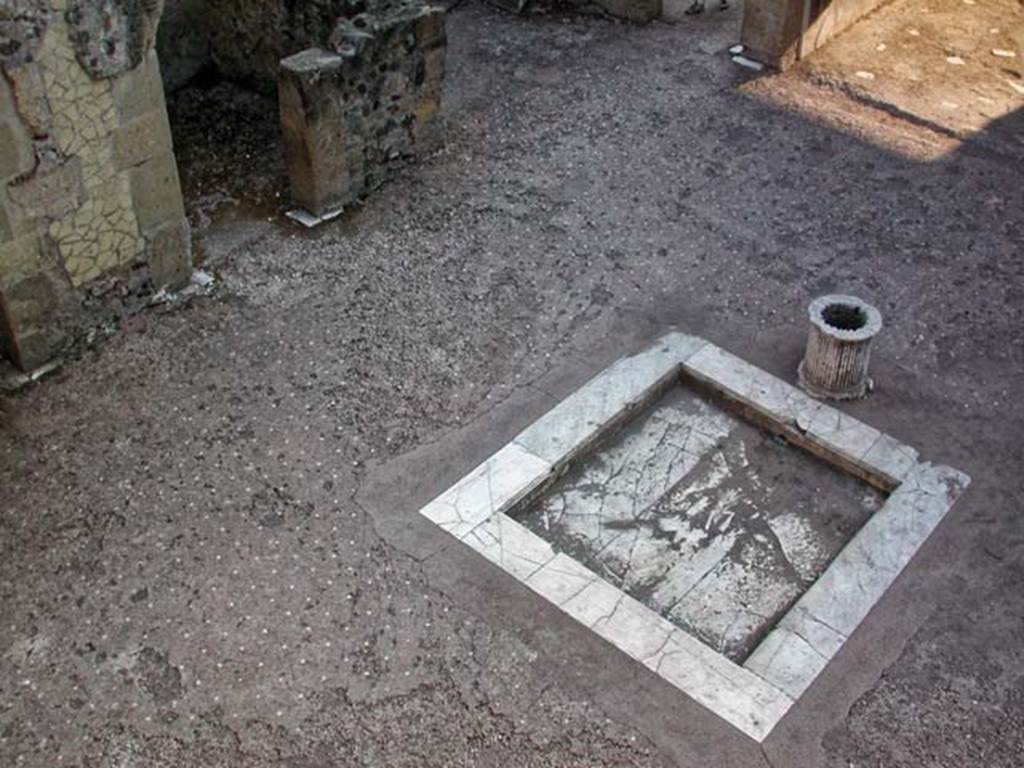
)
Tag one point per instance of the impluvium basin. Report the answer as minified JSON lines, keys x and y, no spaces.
{"x":719,"y":526}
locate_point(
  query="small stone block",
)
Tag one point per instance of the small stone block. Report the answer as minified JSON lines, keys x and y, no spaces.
{"x":140,"y":90}
{"x":430,"y":27}
{"x":156,"y":193}
{"x":169,"y":253}
{"x":319,"y":147}
{"x":17,"y":155}
{"x":51,"y":194}
{"x":142,"y":139}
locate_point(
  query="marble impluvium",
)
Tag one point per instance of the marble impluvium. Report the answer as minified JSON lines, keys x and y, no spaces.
{"x":714,"y":523}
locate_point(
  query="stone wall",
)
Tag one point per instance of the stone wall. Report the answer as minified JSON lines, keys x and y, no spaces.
{"x":183,"y":41}
{"x":246,"y":39}
{"x":373,"y":98}
{"x":639,"y":11}
{"x":90,"y":203}
{"x":632,"y":10}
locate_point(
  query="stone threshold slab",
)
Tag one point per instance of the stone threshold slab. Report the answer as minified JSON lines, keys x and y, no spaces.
{"x":311,"y":220}
{"x":755,"y":696}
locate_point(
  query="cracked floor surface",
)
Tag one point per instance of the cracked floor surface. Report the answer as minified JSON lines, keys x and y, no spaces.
{"x":206,"y":518}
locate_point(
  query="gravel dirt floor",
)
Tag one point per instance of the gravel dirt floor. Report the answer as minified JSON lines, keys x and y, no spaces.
{"x":209,"y":547}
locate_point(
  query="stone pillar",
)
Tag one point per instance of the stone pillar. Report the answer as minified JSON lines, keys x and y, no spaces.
{"x":835,"y":365}
{"x":325,"y":157}
{"x":348,"y":113}
{"x":638,"y":11}
{"x":89,"y":193}
{"x":780,"y":32}
{"x":771,"y":30}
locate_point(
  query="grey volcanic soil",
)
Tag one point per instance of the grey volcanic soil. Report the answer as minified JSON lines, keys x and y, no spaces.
{"x":207,"y":522}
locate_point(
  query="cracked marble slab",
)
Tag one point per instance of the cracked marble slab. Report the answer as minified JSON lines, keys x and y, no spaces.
{"x":753,"y":387}
{"x":741,"y":698}
{"x":492,"y":487}
{"x":891,"y":458}
{"x":561,"y":579}
{"x":509,"y":545}
{"x":787,"y":661}
{"x":734,"y":693}
{"x":577,"y":421}
{"x":843,"y":433}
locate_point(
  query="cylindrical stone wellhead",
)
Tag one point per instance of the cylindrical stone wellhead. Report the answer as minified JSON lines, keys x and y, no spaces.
{"x":835,"y":365}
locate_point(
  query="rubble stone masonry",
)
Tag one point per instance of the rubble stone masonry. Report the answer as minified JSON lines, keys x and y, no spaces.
{"x":348,"y":113}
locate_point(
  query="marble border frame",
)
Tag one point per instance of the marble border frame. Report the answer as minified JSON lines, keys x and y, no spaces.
{"x":755,"y":696}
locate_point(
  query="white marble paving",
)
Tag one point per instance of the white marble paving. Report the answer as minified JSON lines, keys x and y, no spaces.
{"x":843,"y":434}
{"x":741,"y":698}
{"x":791,"y":408}
{"x":621,"y":620}
{"x":825,"y":640}
{"x":753,"y":387}
{"x":734,"y":693}
{"x":891,"y":458}
{"x":787,"y":661}
{"x":506,"y":543}
{"x":561,"y":579}
{"x":492,"y":487}
{"x":574,"y":424}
